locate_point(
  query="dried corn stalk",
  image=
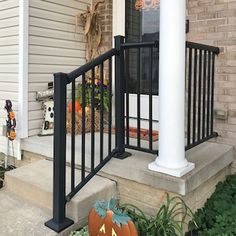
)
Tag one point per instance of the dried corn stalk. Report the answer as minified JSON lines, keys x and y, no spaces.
{"x":92,"y":30}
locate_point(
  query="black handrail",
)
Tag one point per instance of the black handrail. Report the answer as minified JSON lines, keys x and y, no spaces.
{"x":140,"y":45}
{"x":200,"y":66}
{"x":203,"y":47}
{"x":90,"y":65}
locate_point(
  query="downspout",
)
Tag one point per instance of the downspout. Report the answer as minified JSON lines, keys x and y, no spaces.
{"x":22,"y":123}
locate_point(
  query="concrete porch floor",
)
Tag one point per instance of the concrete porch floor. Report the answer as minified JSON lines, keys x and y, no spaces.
{"x":210,"y":158}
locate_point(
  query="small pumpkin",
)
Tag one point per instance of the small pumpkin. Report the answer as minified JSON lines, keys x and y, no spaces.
{"x":105,"y":219}
{"x":139,"y":4}
{"x":77,"y":106}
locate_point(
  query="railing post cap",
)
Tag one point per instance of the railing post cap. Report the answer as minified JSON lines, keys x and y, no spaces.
{"x":119,"y":36}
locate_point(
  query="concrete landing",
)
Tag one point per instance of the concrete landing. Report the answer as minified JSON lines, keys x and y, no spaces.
{"x":209,"y":158}
{"x":33,"y":182}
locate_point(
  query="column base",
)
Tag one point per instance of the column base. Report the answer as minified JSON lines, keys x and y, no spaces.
{"x":173,"y":172}
{"x":58,"y":227}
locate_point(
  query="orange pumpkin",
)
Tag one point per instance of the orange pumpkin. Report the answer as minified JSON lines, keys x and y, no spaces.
{"x":105,"y":219}
{"x":77,"y":106}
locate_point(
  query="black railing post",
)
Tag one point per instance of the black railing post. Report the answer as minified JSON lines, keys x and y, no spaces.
{"x":59,"y":220}
{"x":119,"y":99}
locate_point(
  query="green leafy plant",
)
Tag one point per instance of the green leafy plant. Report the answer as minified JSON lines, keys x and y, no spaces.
{"x":169,"y":220}
{"x":82,"y":232}
{"x":98,"y":85}
{"x":218,"y":216}
{"x":2,"y":173}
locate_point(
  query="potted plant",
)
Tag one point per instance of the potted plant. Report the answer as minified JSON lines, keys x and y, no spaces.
{"x":98,"y":87}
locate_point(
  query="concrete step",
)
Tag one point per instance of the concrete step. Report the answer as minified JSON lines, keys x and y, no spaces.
{"x":33,"y":182}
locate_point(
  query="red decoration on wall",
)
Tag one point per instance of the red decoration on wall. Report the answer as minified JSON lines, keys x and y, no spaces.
{"x":147,"y":4}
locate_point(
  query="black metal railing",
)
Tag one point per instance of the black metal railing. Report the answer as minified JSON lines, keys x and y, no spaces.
{"x":90,"y":156}
{"x":143,"y":53}
{"x":200,"y":72}
{"x":62,"y":83}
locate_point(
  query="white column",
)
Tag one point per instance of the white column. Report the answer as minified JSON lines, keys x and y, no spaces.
{"x":171,"y":159}
{"x":118,"y":12}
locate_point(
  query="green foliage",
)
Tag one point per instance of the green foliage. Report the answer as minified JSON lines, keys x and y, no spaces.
{"x":218,"y":216}
{"x":82,"y":232}
{"x":169,"y":220}
{"x":97,"y":93}
{"x":2,"y":172}
{"x":119,"y":217}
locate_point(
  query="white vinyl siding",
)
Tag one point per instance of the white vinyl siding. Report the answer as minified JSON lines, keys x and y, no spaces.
{"x":9,"y":37}
{"x":55,"y":45}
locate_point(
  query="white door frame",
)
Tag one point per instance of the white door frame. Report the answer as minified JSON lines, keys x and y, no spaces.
{"x":118,"y":15}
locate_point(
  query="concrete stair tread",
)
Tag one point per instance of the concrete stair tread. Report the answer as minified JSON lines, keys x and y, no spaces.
{"x":34,"y":183}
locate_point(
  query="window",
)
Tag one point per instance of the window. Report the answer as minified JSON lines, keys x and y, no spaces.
{"x":142,"y":25}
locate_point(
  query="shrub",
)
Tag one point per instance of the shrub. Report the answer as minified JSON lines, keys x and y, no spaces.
{"x":218,"y":216}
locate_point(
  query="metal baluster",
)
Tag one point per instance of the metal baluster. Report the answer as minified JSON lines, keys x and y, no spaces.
{"x":204,"y":94}
{"x":194,"y":94}
{"x":83,"y":127}
{"x":101,"y":110}
{"x":189,"y":97}
{"x":92,"y":120}
{"x":138,"y":97}
{"x":208,"y":93}
{"x":199,"y":95}
{"x":73,"y":137}
{"x":127,"y":95}
{"x":150,"y":100}
{"x":110,"y":108}
{"x":212,"y":93}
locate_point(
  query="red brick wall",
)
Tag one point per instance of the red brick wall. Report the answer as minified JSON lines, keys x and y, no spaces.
{"x":213,"y":22}
{"x":105,"y":10}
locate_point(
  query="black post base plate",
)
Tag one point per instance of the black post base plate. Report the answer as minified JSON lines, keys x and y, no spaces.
{"x":58,"y":227}
{"x":123,"y":155}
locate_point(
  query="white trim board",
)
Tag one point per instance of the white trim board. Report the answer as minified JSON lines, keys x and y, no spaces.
{"x":23,"y":72}
{"x":118,"y":14}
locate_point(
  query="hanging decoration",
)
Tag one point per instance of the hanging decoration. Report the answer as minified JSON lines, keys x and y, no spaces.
{"x":147,"y":4}
{"x":92,"y":29}
{"x":11,"y":121}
